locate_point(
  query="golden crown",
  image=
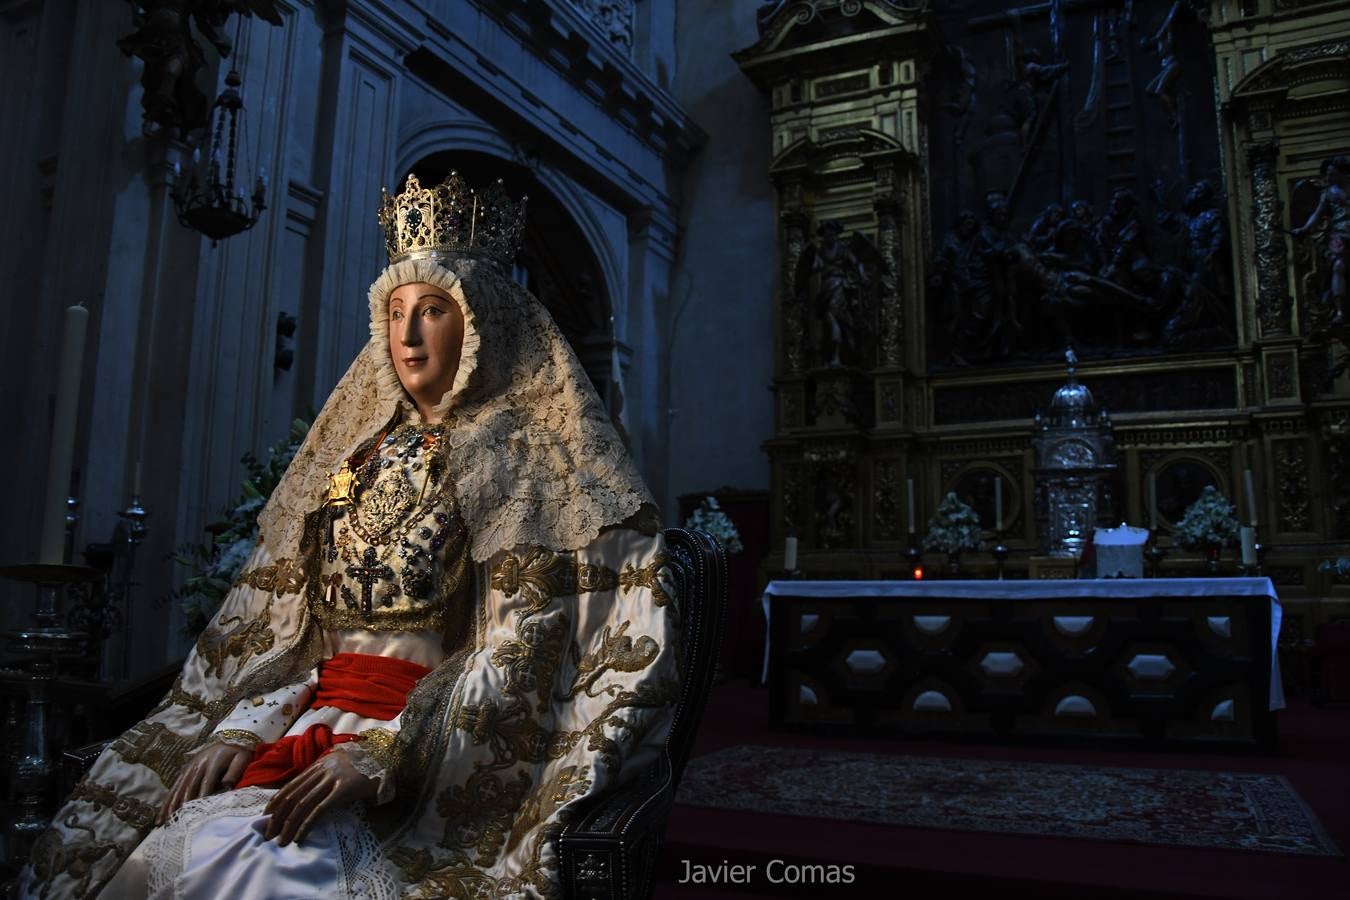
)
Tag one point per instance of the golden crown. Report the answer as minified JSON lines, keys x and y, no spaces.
{"x":451,"y":218}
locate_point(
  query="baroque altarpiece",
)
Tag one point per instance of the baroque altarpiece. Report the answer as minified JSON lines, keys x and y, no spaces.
{"x":965,"y":191}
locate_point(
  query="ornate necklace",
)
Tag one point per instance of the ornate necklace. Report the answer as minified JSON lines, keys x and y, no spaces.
{"x":389,"y":499}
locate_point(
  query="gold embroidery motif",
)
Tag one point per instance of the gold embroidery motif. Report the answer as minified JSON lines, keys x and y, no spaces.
{"x":52,"y":855}
{"x":566,"y":783}
{"x":239,"y":737}
{"x":479,"y":814}
{"x":655,"y":576}
{"x":512,"y":734}
{"x":618,"y":653}
{"x":531,"y":661}
{"x":456,"y":877}
{"x":541,"y":575}
{"x":426,"y":618}
{"x":242,"y":642}
{"x":280,"y":577}
{"x":648,"y":695}
{"x":153,"y":745}
{"x":136,"y":813}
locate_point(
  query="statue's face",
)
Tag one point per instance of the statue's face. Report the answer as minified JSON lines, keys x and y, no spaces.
{"x":426,"y":335}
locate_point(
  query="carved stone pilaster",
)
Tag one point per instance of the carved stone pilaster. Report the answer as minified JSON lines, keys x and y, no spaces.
{"x":1336,"y":440}
{"x":1273,"y":305}
{"x":891,"y":326}
{"x":1291,"y":471}
{"x":885,"y":500}
{"x":794,"y":301}
{"x":832,"y":468}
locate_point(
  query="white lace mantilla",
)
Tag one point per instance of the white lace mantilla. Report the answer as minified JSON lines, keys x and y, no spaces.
{"x":535,"y":456}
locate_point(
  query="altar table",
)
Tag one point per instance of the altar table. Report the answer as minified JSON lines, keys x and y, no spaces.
{"x":1160,"y":661}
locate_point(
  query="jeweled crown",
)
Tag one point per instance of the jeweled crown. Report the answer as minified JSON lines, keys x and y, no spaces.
{"x":451,"y":218}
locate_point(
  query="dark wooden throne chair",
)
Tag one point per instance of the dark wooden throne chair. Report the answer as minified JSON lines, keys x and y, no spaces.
{"x":609,"y":850}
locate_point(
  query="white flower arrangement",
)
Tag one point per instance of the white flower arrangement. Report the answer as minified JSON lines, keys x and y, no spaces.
{"x":710,"y":518}
{"x":212,"y":568}
{"x":954,"y":527}
{"x":1210,"y":521}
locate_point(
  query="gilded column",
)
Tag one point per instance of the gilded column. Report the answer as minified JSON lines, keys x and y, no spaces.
{"x":794,"y":313}
{"x":891,"y":325}
{"x":1273,"y":304}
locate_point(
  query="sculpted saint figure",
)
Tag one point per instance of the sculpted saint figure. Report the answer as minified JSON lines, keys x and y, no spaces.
{"x":462,"y":622}
{"x":839,"y":273}
{"x":1333,"y":215}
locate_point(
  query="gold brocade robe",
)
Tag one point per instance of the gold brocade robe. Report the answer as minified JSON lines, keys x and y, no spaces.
{"x":553,"y":677}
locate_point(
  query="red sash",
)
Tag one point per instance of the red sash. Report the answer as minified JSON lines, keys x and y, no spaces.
{"x":374,"y":687}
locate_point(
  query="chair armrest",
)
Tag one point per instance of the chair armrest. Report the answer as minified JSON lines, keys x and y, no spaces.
{"x":608,"y":850}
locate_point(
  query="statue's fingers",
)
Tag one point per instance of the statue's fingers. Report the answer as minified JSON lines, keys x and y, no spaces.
{"x":283,"y":797}
{"x":304,"y":809}
{"x":211,"y":773}
{"x":182,"y":788}
{"x":326,"y":802}
{"x":282,"y":805}
{"x":237,"y":766}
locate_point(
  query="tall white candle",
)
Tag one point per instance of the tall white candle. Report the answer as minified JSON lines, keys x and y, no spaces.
{"x":790,"y":554}
{"x":909,"y":504}
{"x":998,"y":502}
{"x":62,"y":454}
{"x":1251,"y":497}
{"x":1248,"y":545}
{"x":136,"y":484}
{"x":1152,"y":502}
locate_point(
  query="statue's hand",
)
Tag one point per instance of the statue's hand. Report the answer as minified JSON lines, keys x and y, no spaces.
{"x":215,"y":767}
{"x":330,"y":782}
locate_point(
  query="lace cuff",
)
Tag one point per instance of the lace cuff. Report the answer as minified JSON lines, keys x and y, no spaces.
{"x":374,"y":757}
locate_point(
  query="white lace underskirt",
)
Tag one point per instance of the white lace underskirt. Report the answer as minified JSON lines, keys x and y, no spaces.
{"x":215,"y":848}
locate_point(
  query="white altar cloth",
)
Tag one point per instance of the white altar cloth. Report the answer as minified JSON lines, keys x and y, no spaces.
{"x":1047,"y":589}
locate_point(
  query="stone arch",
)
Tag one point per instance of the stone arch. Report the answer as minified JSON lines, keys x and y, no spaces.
{"x":430,"y":136}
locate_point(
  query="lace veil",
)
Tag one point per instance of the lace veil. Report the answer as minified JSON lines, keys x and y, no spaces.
{"x":533,"y":454}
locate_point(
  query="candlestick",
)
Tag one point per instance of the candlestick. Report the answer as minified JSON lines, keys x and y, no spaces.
{"x":62,"y":454}
{"x":998,"y":503}
{"x":1155,"y":555}
{"x":1251,"y":497}
{"x":1152,"y":502}
{"x":1000,"y":553}
{"x":136,"y":482}
{"x":790,"y":554}
{"x":909,"y":503}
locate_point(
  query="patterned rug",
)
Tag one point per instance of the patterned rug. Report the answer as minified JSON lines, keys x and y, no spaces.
{"x":1154,"y":806}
